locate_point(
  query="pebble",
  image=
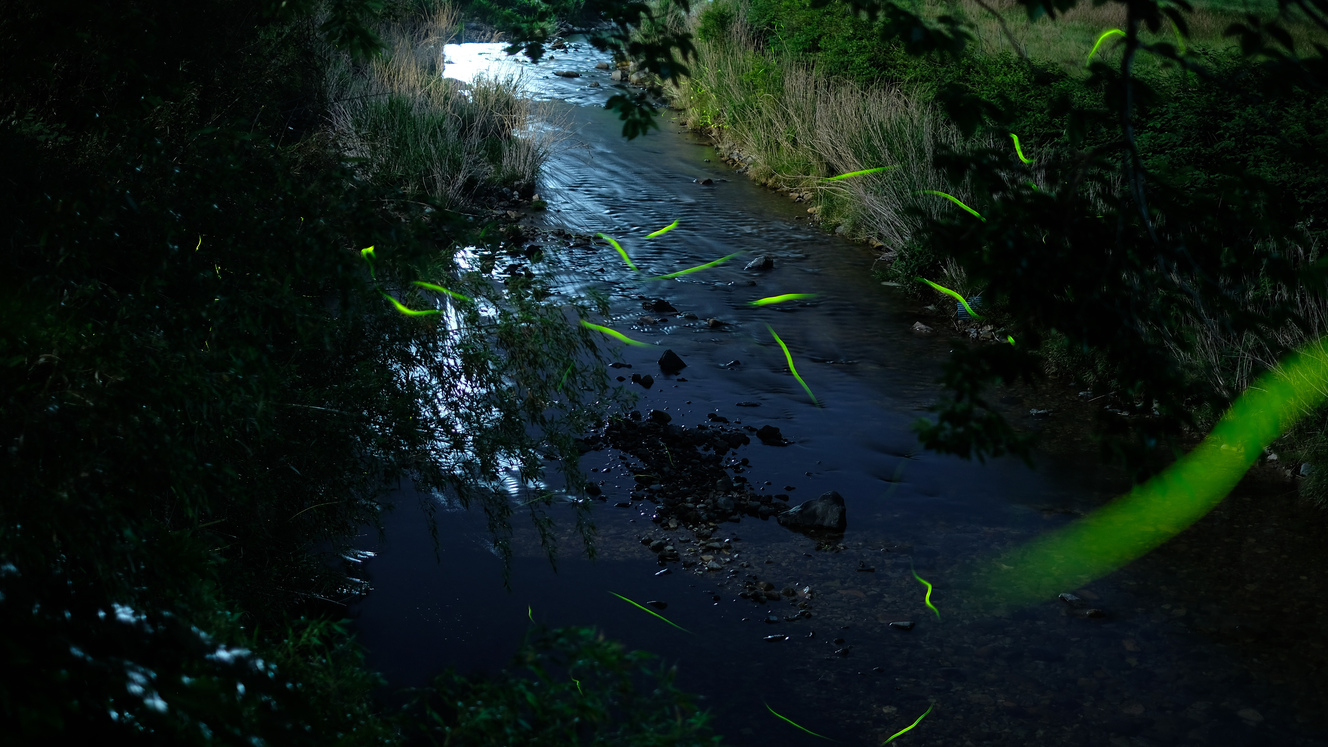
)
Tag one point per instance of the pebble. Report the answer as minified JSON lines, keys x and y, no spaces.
{"x":780,"y":637}
{"x":1068,"y":597}
{"x":714,"y":565}
{"x":903,"y":625}
{"x":921,"y":328}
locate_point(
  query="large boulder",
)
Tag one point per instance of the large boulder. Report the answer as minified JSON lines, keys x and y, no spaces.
{"x":826,"y":512}
{"x":671,"y":363}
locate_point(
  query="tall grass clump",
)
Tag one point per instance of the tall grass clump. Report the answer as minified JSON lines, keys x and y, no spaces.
{"x":796,"y":125}
{"x":407,"y":125}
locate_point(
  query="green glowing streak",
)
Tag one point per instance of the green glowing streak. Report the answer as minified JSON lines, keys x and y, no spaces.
{"x":1011,"y":339}
{"x":694,"y":269}
{"x":564,"y":381}
{"x":927,"y":598}
{"x":662,"y":231}
{"x":409,"y":312}
{"x":665,"y":619}
{"x":1031,"y":184}
{"x":915,"y":723}
{"x":809,"y":731}
{"x":578,"y":685}
{"x":789,"y":357}
{"x":612,"y":333}
{"x":956,"y":201}
{"x":943,"y":289}
{"x":200,"y":243}
{"x":1100,"y":39}
{"x":626,"y":259}
{"x":530,"y":614}
{"x":860,"y":173}
{"x":783,"y":298}
{"x":441,"y":289}
{"x":368,"y":254}
{"x":1020,"y":151}
{"x":1154,"y":512}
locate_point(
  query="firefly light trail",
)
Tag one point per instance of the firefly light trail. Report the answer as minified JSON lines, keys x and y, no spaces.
{"x":441,"y":289}
{"x":927,"y":598}
{"x":694,"y":269}
{"x":943,"y":289}
{"x":1166,"y":505}
{"x":860,"y":173}
{"x":409,"y":312}
{"x":783,"y":298}
{"x":662,"y":231}
{"x":656,"y":614}
{"x":614,"y":334}
{"x":626,"y":259}
{"x":1020,"y":151}
{"x":809,"y":731}
{"x":788,"y":356}
{"x":956,"y":201}
{"x":910,"y":726}
{"x":1100,"y":39}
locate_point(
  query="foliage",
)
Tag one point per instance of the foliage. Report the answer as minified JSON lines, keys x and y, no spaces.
{"x":202,"y":389}
{"x":565,"y":686}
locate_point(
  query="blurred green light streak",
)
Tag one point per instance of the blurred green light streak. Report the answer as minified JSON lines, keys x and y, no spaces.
{"x":860,"y":173}
{"x":621,"y":251}
{"x":409,"y":312}
{"x":663,"y":230}
{"x":1020,"y":151}
{"x":694,"y":269}
{"x":1154,"y":512}
{"x":955,"y":200}
{"x":441,"y":289}
{"x":1100,"y":39}
{"x":943,"y":289}
{"x":789,"y":357}
{"x":783,"y":298}
{"x":809,"y":731}
{"x":368,"y":254}
{"x":910,"y":726}
{"x":656,"y":614}
{"x":927,"y":598}
{"x":614,"y":334}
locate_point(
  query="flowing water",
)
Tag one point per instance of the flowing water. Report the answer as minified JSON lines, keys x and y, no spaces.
{"x":1168,"y":662}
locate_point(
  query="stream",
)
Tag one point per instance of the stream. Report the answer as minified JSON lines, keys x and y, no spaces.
{"x":1153,"y":654}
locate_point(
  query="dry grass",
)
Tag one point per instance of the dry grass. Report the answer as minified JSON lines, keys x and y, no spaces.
{"x":410,"y":127}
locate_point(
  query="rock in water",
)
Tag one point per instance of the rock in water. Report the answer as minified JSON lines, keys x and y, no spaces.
{"x":826,"y":512}
{"x":770,"y":435}
{"x":671,"y":363}
{"x":761,"y":263}
{"x":567,"y":74}
{"x":659,"y":416}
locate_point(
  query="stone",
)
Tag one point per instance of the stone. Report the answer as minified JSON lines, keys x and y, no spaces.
{"x":921,"y":328}
{"x":1250,"y":716}
{"x":1067,"y":597}
{"x":714,"y":565}
{"x":826,"y":512}
{"x":725,"y":503}
{"x":647,"y":381}
{"x":618,"y":75}
{"x":761,"y":263}
{"x":592,"y":489}
{"x":594,"y":84}
{"x":659,"y":416}
{"x":902,"y":625}
{"x":602,"y":66}
{"x":770,"y":436}
{"x":671,"y":363}
{"x":658,"y":305}
{"x":567,"y":74}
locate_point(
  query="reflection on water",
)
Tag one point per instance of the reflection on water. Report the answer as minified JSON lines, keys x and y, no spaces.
{"x":1153,"y":654}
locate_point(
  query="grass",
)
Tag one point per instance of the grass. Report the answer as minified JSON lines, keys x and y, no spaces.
{"x":409,"y":126}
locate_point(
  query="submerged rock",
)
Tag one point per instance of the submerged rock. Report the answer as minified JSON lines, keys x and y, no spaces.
{"x":761,"y":263}
{"x":770,"y":436}
{"x":826,"y":512}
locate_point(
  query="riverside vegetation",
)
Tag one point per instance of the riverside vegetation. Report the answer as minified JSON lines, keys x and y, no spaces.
{"x":203,"y":392}
{"x":1162,"y":245}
